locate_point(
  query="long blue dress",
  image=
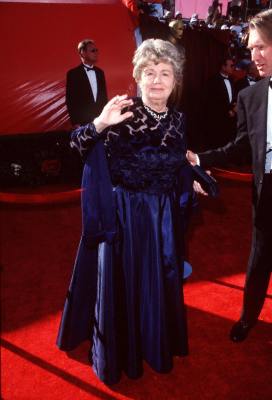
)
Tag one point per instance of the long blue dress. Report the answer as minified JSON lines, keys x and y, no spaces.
{"x":129,"y":300}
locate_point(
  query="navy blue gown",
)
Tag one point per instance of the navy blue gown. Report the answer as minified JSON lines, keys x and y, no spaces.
{"x":135,"y":309}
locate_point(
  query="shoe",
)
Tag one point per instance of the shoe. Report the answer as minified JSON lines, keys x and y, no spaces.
{"x":239,"y":331}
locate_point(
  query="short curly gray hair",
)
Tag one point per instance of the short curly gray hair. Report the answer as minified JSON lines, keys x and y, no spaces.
{"x":158,"y":50}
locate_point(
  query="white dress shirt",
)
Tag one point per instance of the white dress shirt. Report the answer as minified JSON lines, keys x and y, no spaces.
{"x":251,"y":82}
{"x":228,"y":86}
{"x":268,"y":159}
{"x":92,"y":79}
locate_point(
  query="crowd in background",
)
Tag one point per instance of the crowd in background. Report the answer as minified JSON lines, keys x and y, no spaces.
{"x":239,"y":12}
{"x":214,"y":46}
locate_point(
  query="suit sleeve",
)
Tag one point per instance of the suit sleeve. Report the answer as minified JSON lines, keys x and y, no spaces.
{"x":71,"y":97}
{"x":104,"y":89}
{"x":235,"y":150}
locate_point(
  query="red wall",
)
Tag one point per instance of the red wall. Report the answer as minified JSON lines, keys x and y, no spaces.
{"x":38,"y":46}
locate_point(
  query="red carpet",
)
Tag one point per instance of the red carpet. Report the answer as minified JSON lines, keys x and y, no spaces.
{"x":38,"y":248}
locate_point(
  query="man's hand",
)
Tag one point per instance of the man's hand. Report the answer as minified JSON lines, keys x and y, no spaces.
{"x":191,"y":157}
{"x":233,"y":110}
{"x":198,"y":189}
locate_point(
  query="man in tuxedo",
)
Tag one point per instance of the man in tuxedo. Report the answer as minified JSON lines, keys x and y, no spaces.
{"x":250,"y":78}
{"x":218,"y":108}
{"x":86,"y":92}
{"x":254,"y":135}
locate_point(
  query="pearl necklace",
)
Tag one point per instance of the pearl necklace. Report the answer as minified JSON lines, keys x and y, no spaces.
{"x":157,"y":116}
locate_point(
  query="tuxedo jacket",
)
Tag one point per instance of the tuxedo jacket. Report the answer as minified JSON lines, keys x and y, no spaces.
{"x":240,"y":85}
{"x":217,"y":95}
{"x":81,"y":106}
{"x":218,"y":127}
{"x":251,"y":135}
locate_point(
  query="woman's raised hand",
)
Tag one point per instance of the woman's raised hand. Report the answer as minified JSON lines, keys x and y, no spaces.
{"x":112,"y":112}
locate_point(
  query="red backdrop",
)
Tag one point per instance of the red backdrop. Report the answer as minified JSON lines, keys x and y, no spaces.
{"x":38,"y":46}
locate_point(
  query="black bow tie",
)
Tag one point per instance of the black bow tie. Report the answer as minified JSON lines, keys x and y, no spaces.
{"x":226,"y":78}
{"x":88,"y":68}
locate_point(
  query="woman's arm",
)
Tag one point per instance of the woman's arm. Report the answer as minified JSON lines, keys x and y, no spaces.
{"x":85,"y":136}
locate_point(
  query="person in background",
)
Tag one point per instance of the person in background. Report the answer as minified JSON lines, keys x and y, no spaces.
{"x":251,"y":77}
{"x":178,"y":15}
{"x":214,"y":11}
{"x":86,"y":92}
{"x":194,"y":21}
{"x":156,"y":8}
{"x":218,"y":107}
{"x":168,"y":16}
{"x":176,"y":27}
{"x":235,"y":8}
{"x":126,"y":289}
{"x":254,"y":137}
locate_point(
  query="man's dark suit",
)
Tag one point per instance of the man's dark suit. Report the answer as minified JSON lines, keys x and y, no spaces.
{"x":240,"y":85}
{"x":251,"y":136}
{"x":79,"y":97}
{"x":218,"y":126}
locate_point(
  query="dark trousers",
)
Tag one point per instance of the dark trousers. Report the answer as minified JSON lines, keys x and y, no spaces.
{"x":260,"y":260}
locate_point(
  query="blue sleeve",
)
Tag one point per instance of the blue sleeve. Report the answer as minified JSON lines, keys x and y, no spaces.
{"x":84,"y":137}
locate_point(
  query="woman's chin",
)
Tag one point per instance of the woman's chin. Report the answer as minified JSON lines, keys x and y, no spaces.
{"x":158,"y":97}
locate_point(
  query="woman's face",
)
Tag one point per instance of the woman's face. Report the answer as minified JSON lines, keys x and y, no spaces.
{"x":157,"y":81}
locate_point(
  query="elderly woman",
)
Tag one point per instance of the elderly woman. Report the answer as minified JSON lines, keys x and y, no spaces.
{"x":126,"y":290}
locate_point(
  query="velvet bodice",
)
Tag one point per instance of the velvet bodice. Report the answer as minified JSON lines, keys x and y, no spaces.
{"x":143,"y":154}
